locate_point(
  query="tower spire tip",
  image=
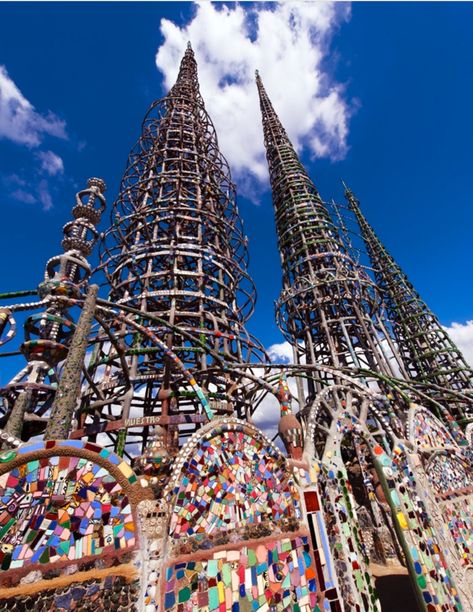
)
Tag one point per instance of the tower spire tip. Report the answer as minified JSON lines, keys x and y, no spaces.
{"x":348,"y":191}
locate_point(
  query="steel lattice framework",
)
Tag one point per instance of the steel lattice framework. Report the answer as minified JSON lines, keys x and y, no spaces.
{"x":431,"y":357}
{"x":328,"y":308}
{"x":175,"y":260}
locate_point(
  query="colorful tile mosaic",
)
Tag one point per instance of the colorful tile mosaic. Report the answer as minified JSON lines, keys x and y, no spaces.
{"x":232,"y":479}
{"x":272,"y":576}
{"x":426,"y":431}
{"x":420,"y":525}
{"x":122,"y":465}
{"x":61,"y":508}
{"x":459,"y":518}
{"x":111,"y":593}
{"x":448,"y":494}
{"x":421,"y":544}
{"x":449,"y":474}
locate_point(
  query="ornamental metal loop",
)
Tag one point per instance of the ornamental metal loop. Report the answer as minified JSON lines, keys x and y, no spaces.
{"x":7,"y":326}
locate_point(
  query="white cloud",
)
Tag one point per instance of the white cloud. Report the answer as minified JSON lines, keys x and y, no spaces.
{"x":281,"y":352}
{"x":23,"y":196}
{"x":288,"y":43}
{"x":14,"y":179}
{"x":19,"y":121}
{"x":51,"y":163}
{"x":44,"y":195}
{"x":267,"y":415}
{"x":462,"y":335}
{"x":23,"y":125}
{"x":37,"y":189}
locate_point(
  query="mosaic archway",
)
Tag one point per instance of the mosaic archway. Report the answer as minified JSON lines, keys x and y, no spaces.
{"x":335,"y":415}
{"x":426,"y":432}
{"x":422,"y":543}
{"x":346,"y":541}
{"x":445,"y":478}
{"x":233,"y":479}
{"x":63,"y":502}
{"x":236,"y":539}
{"x":342,"y":411}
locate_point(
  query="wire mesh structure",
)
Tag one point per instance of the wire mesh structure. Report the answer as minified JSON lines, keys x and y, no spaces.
{"x":175,"y":259}
{"x":328,"y":308}
{"x":29,"y":395}
{"x":431,"y":357}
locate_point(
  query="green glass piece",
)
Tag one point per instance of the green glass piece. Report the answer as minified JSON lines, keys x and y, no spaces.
{"x":184,"y":595}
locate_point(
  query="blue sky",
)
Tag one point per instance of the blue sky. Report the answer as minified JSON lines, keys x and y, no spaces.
{"x":402,"y":73}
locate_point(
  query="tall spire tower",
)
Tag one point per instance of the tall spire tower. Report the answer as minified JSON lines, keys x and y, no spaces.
{"x":175,"y":255}
{"x":431,"y":357}
{"x":327,"y":303}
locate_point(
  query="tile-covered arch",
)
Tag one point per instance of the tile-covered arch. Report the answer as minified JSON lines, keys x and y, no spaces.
{"x":229,"y":476}
{"x":427,"y":432}
{"x":64,"y":502}
{"x":445,"y":479}
{"x":401,"y":465}
{"x":236,"y":538}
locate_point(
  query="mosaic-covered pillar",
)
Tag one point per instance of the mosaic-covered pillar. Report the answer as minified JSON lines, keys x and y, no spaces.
{"x":68,"y":393}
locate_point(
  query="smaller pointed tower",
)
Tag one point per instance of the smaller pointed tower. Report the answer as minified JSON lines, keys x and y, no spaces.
{"x":428,"y":352}
{"x":327,"y":303}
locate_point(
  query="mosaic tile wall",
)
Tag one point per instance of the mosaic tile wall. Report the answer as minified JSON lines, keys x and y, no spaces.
{"x":428,"y":431}
{"x":430,"y":570}
{"x":90,"y":447}
{"x":112,"y":593}
{"x":348,"y":549}
{"x":233,"y":479}
{"x":459,"y":518}
{"x":450,"y":474}
{"x":61,"y":508}
{"x":274,"y":576}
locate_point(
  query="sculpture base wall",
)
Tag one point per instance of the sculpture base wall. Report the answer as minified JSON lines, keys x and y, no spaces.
{"x":118,"y":590}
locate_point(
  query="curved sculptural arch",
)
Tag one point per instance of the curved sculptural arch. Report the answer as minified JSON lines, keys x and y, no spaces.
{"x":64,"y":502}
